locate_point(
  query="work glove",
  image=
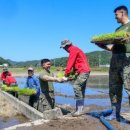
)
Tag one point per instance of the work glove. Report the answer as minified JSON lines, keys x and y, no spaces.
{"x":65,"y":78}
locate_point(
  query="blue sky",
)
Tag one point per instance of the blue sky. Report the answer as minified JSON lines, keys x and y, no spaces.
{"x":33,"y":29}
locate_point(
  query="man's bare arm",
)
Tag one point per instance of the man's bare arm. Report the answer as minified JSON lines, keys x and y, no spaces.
{"x":51,"y":79}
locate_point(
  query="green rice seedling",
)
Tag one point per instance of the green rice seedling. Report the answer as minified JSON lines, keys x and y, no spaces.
{"x":60,"y":74}
{"x":21,"y":91}
{"x":27,"y":91}
{"x":71,"y":76}
{"x":118,"y":36}
{"x":10,"y":89}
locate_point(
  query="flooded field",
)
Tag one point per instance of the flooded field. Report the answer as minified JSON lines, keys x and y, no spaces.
{"x":9,"y":116}
{"x":11,"y":121}
{"x":96,"y":92}
{"x":96,"y":98}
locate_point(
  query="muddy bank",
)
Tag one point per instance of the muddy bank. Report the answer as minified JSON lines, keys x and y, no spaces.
{"x":91,"y":74}
{"x":71,"y":123}
{"x":10,"y":116}
{"x":75,"y":123}
{"x":6,"y":109}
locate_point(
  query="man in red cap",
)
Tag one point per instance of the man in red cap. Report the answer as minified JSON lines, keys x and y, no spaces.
{"x":77,"y":62}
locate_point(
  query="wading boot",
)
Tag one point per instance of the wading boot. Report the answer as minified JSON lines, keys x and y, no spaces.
{"x":79,"y":108}
{"x":129,"y":100}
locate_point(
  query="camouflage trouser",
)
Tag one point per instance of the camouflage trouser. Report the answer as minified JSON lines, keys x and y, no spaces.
{"x":126,"y":74}
{"x":115,"y":80}
{"x":80,"y":85}
{"x":47,"y":100}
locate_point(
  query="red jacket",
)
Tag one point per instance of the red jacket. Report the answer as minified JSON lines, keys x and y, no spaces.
{"x":4,"y":74}
{"x":9,"y":80}
{"x":77,"y":60}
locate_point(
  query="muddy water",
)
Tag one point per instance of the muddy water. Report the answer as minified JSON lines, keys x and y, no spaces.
{"x":10,"y":121}
{"x":96,"y":97}
{"x":97,"y":88}
{"x":9,"y":116}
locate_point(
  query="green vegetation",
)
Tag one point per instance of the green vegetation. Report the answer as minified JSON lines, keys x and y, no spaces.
{"x":2,"y":61}
{"x":20,"y":91}
{"x":60,"y":74}
{"x":100,"y":69}
{"x":27,"y":91}
{"x":110,"y":37}
{"x":95,"y":59}
{"x":98,"y":58}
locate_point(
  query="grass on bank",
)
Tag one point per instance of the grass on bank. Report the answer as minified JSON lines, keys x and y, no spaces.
{"x":55,"y":70}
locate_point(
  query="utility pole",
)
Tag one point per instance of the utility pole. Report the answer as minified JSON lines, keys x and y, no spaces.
{"x":54,"y":62}
{"x":99,"y":60}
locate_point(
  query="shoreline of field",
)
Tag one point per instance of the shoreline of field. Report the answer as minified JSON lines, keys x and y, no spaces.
{"x":91,"y":74}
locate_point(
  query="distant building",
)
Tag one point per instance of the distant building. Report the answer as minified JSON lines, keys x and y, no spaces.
{"x":107,"y":65}
{"x":5,"y":65}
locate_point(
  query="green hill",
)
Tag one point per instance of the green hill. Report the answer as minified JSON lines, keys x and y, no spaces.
{"x":2,"y":61}
{"x":95,"y":58}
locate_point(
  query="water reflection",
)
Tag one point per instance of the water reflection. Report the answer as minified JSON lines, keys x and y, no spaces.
{"x":67,"y":89}
{"x":71,"y":101}
{"x":8,"y":122}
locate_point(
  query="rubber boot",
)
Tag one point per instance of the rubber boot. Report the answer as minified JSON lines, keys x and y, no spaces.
{"x":129,"y":101}
{"x":118,"y":108}
{"x":79,"y":107}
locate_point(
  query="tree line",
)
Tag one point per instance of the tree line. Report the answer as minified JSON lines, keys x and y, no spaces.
{"x":95,"y":59}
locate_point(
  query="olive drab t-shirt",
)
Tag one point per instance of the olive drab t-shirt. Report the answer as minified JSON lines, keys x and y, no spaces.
{"x":122,"y":48}
{"x":45,"y":85}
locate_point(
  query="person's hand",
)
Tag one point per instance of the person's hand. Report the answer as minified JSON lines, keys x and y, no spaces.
{"x":71,"y":78}
{"x":126,"y":40}
{"x":35,"y":93}
{"x":60,"y":80}
{"x":65,"y":79}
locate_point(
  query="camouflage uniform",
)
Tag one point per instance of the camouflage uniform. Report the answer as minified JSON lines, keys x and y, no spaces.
{"x":115,"y":79}
{"x":119,"y":72}
{"x":126,"y":74}
{"x":80,"y":85}
{"x":47,"y":89}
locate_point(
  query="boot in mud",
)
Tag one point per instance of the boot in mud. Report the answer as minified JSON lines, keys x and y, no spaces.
{"x":79,"y":108}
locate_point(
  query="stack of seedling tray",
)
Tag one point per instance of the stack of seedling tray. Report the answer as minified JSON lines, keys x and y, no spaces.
{"x":111,"y":38}
{"x":20,"y":91}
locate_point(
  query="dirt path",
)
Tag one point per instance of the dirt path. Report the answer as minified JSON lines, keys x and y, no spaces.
{"x":71,"y":123}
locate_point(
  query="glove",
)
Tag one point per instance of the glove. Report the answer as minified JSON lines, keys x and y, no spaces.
{"x":65,"y":78}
